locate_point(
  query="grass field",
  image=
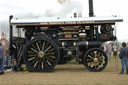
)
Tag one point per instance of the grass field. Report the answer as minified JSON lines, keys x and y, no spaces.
{"x":69,"y":74}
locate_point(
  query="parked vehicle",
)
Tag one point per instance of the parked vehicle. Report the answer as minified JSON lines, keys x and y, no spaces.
{"x":49,"y":41}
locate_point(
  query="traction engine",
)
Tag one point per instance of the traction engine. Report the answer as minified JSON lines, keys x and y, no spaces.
{"x":45,"y":43}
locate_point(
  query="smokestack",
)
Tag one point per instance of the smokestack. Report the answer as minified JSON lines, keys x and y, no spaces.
{"x":91,"y":14}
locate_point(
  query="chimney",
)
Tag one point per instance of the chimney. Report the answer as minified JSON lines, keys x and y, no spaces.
{"x":91,"y":14}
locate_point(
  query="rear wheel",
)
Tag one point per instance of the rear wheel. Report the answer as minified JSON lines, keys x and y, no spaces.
{"x":41,"y":54}
{"x":95,"y":60}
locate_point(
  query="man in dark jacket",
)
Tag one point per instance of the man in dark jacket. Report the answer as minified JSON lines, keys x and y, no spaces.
{"x":124,"y":57}
{"x":1,"y":58}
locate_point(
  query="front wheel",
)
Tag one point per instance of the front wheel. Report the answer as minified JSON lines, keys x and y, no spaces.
{"x":95,"y":60}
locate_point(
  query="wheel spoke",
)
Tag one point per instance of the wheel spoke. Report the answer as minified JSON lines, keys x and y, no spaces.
{"x":99,"y":54}
{"x":47,"y":48}
{"x":38,"y":46}
{"x":39,"y":63}
{"x":49,"y":54}
{"x":92,"y":65}
{"x":95,"y":54}
{"x":52,"y":57}
{"x":43,"y":46}
{"x":89,"y":60}
{"x":103,"y":57}
{"x":89,"y":64}
{"x":31,"y":58}
{"x":51,"y":50}
{"x":96,"y":64}
{"x":90,"y":56}
{"x":46,"y":45}
{"x":42,"y":65}
{"x":30,"y":52}
{"x":32,"y":55}
{"x":34,"y":60}
{"x":33,"y":46}
{"x":34,"y":50}
{"x":48,"y":62}
{"x":103,"y":62}
{"x":36,"y":63}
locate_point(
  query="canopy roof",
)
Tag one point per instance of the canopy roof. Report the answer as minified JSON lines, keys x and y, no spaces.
{"x":65,"y":21}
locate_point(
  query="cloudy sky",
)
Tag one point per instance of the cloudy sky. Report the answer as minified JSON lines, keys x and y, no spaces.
{"x":41,"y":8}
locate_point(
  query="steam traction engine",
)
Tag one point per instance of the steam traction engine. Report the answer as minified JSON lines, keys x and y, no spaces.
{"x":47,"y":42}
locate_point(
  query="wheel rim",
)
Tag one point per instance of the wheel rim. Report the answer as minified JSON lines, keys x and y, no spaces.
{"x":95,"y":60}
{"x":41,"y":54}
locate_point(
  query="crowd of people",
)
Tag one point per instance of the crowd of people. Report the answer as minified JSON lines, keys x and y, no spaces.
{"x":108,"y":49}
{"x":123,"y":54}
{"x":1,"y":59}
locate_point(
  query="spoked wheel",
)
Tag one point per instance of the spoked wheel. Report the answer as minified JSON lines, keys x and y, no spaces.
{"x":95,"y":60}
{"x":41,"y":54}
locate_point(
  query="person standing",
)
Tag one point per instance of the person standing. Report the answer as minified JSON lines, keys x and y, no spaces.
{"x":109,"y":50}
{"x":124,"y":57}
{"x":1,"y":58}
{"x":115,"y":50}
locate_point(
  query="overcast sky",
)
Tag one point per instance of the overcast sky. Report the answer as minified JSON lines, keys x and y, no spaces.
{"x":41,"y":8}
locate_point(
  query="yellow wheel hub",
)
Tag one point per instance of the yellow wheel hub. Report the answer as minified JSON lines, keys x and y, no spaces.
{"x":95,"y":60}
{"x":41,"y":54}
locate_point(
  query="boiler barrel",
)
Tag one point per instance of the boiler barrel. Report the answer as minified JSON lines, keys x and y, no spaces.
{"x":83,"y":45}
